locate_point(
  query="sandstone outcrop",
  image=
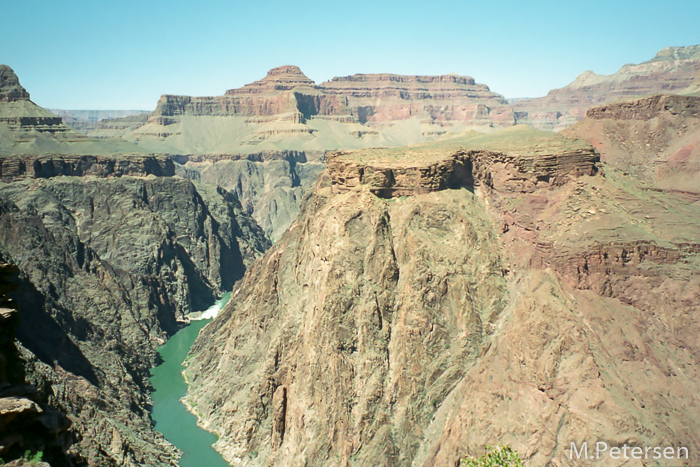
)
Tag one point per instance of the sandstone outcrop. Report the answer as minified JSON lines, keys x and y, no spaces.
{"x":287,"y":110}
{"x":419,"y":325}
{"x":108,"y":266}
{"x":19,"y":167}
{"x":10,"y":89}
{"x":20,"y":115}
{"x":656,"y":138}
{"x":672,"y":70}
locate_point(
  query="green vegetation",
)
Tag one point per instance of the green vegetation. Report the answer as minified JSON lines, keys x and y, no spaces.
{"x":29,"y":458}
{"x":502,"y":456}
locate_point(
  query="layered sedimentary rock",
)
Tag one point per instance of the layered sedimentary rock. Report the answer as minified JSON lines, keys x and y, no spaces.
{"x":417,"y":326}
{"x":108,"y":266}
{"x":287,"y":110}
{"x":19,"y":167}
{"x":656,"y":138}
{"x":19,"y":114}
{"x":10,"y":89}
{"x":386,"y":97}
{"x":88,"y":120}
{"x":673,"y":69}
{"x":389,"y":174}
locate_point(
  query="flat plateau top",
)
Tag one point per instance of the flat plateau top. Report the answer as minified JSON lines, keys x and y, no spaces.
{"x":519,"y":140}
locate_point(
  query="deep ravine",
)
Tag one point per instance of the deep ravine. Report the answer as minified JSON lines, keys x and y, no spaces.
{"x":171,"y":417}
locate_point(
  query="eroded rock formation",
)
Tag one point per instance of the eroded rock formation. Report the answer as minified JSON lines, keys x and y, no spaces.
{"x":20,"y":115}
{"x":420,"y":325}
{"x":656,"y":138}
{"x":27,"y":422}
{"x":19,"y":167}
{"x":349,"y":112}
{"x":672,"y":70}
{"x":109,"y":265}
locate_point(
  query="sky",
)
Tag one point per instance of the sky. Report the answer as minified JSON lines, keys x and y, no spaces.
{"x":125,"y":55}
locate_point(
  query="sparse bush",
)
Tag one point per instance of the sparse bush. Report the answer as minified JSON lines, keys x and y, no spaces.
{"x":501,"y":456}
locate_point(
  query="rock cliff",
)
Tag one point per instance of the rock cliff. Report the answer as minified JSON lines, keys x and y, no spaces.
{"x":269,"y":184}
{"x":673,"y":69}
{"x":287,"y":110}
{"x":20,"y":115}
{"x":10,"y":89}
{"x":657,"y":138}
{"x":534,"y":303}
{"x":27,"y":422}
{"x":108,"y":266}
{"x":19,"y":167}
{"x":386,"y":97}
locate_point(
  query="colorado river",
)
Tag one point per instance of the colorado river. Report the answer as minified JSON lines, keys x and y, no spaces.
{"x":171,"y":417}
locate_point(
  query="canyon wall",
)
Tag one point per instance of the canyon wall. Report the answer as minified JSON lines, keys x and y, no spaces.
{"x":108,"y":267}
{"x":672,"y":70}
{"x":656,"y":138}
{"x":515,"y":297}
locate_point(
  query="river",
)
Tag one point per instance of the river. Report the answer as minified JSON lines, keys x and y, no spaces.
{"x":171,"y":417}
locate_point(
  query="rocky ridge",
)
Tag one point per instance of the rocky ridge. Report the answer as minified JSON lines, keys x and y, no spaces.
{"x":421,"y":327}
{"x":390,"y":173}
{"x":108,"y":266}
{"x":672,"y":70}
{"x":18,"y":167}
{"x":27,"y":422}
{"x":353,"y":111}
{"x":656,"y":138}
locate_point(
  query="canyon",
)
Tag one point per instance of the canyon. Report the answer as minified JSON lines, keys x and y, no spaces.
{"x":416,"y":273}
{"x":429,"y":301}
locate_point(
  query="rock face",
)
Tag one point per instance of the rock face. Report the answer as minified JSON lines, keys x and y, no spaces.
{"x":420,"y":325}
{"x":386,"y":97}
{"x":18,"y":167}
{"x":270,"y":184}
{"x":27,"y":422}
{"x":656,"y":138}
{"x":10,"y":89}
{"x":388,"y":174}
{"x":109,"y":265}
{"x":287,"y":110}
{"x":673,"y":69}
{"x":19,"y":114}
{"x":362,"y":98}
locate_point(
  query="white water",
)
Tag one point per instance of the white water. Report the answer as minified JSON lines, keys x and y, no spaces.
{"x":212,"y":311}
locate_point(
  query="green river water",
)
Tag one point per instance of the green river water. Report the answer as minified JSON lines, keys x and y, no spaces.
{"x":171,"y":417}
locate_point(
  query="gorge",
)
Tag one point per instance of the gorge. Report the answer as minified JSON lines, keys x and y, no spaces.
{"x":415,"y":272}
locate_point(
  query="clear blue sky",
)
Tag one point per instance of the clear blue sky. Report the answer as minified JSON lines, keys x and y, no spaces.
{"x":124,"y":55}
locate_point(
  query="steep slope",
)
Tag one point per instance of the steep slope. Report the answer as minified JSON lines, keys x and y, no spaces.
{"x":655,"y":138}
{"x":109,"y":265}
{"x":270,"y":184}
{"x":27,"y":422}
{"x":405,"y":320}
{"x":673,"y":69}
